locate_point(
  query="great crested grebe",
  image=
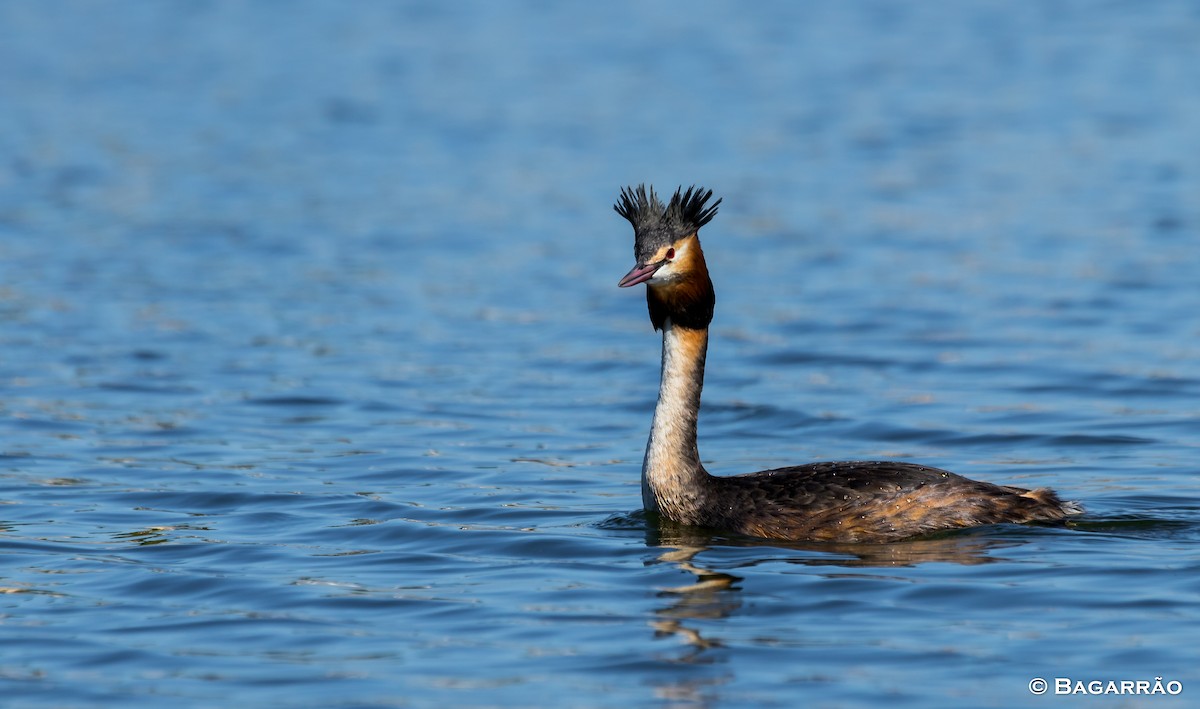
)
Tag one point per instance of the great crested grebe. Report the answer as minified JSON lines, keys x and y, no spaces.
{"x":855,"y":501}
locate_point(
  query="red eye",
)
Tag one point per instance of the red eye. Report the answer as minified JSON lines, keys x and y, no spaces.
{"x":670,"y":254}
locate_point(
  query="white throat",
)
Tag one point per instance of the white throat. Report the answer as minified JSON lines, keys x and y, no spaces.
{"x":671,"y":468}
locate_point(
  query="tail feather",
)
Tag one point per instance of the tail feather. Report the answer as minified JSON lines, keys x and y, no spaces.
{"x":1051,"y":505}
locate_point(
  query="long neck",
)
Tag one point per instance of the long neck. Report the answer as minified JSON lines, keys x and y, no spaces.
{"x":672,"y":477}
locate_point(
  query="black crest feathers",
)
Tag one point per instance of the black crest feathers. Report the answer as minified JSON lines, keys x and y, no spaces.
{"x":656,"y":225}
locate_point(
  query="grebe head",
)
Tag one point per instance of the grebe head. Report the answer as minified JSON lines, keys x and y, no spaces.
{"x":667,"y":250}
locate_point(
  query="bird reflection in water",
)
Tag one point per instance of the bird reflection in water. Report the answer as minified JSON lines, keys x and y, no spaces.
{"x":713,"y":595}
{"x":694,"y":612}
{"x":705,"y":599}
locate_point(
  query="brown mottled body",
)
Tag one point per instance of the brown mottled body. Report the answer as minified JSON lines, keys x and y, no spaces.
{"x":859,"y":501}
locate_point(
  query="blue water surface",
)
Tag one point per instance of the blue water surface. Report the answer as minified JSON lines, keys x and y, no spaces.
{"x":316,"y":388}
